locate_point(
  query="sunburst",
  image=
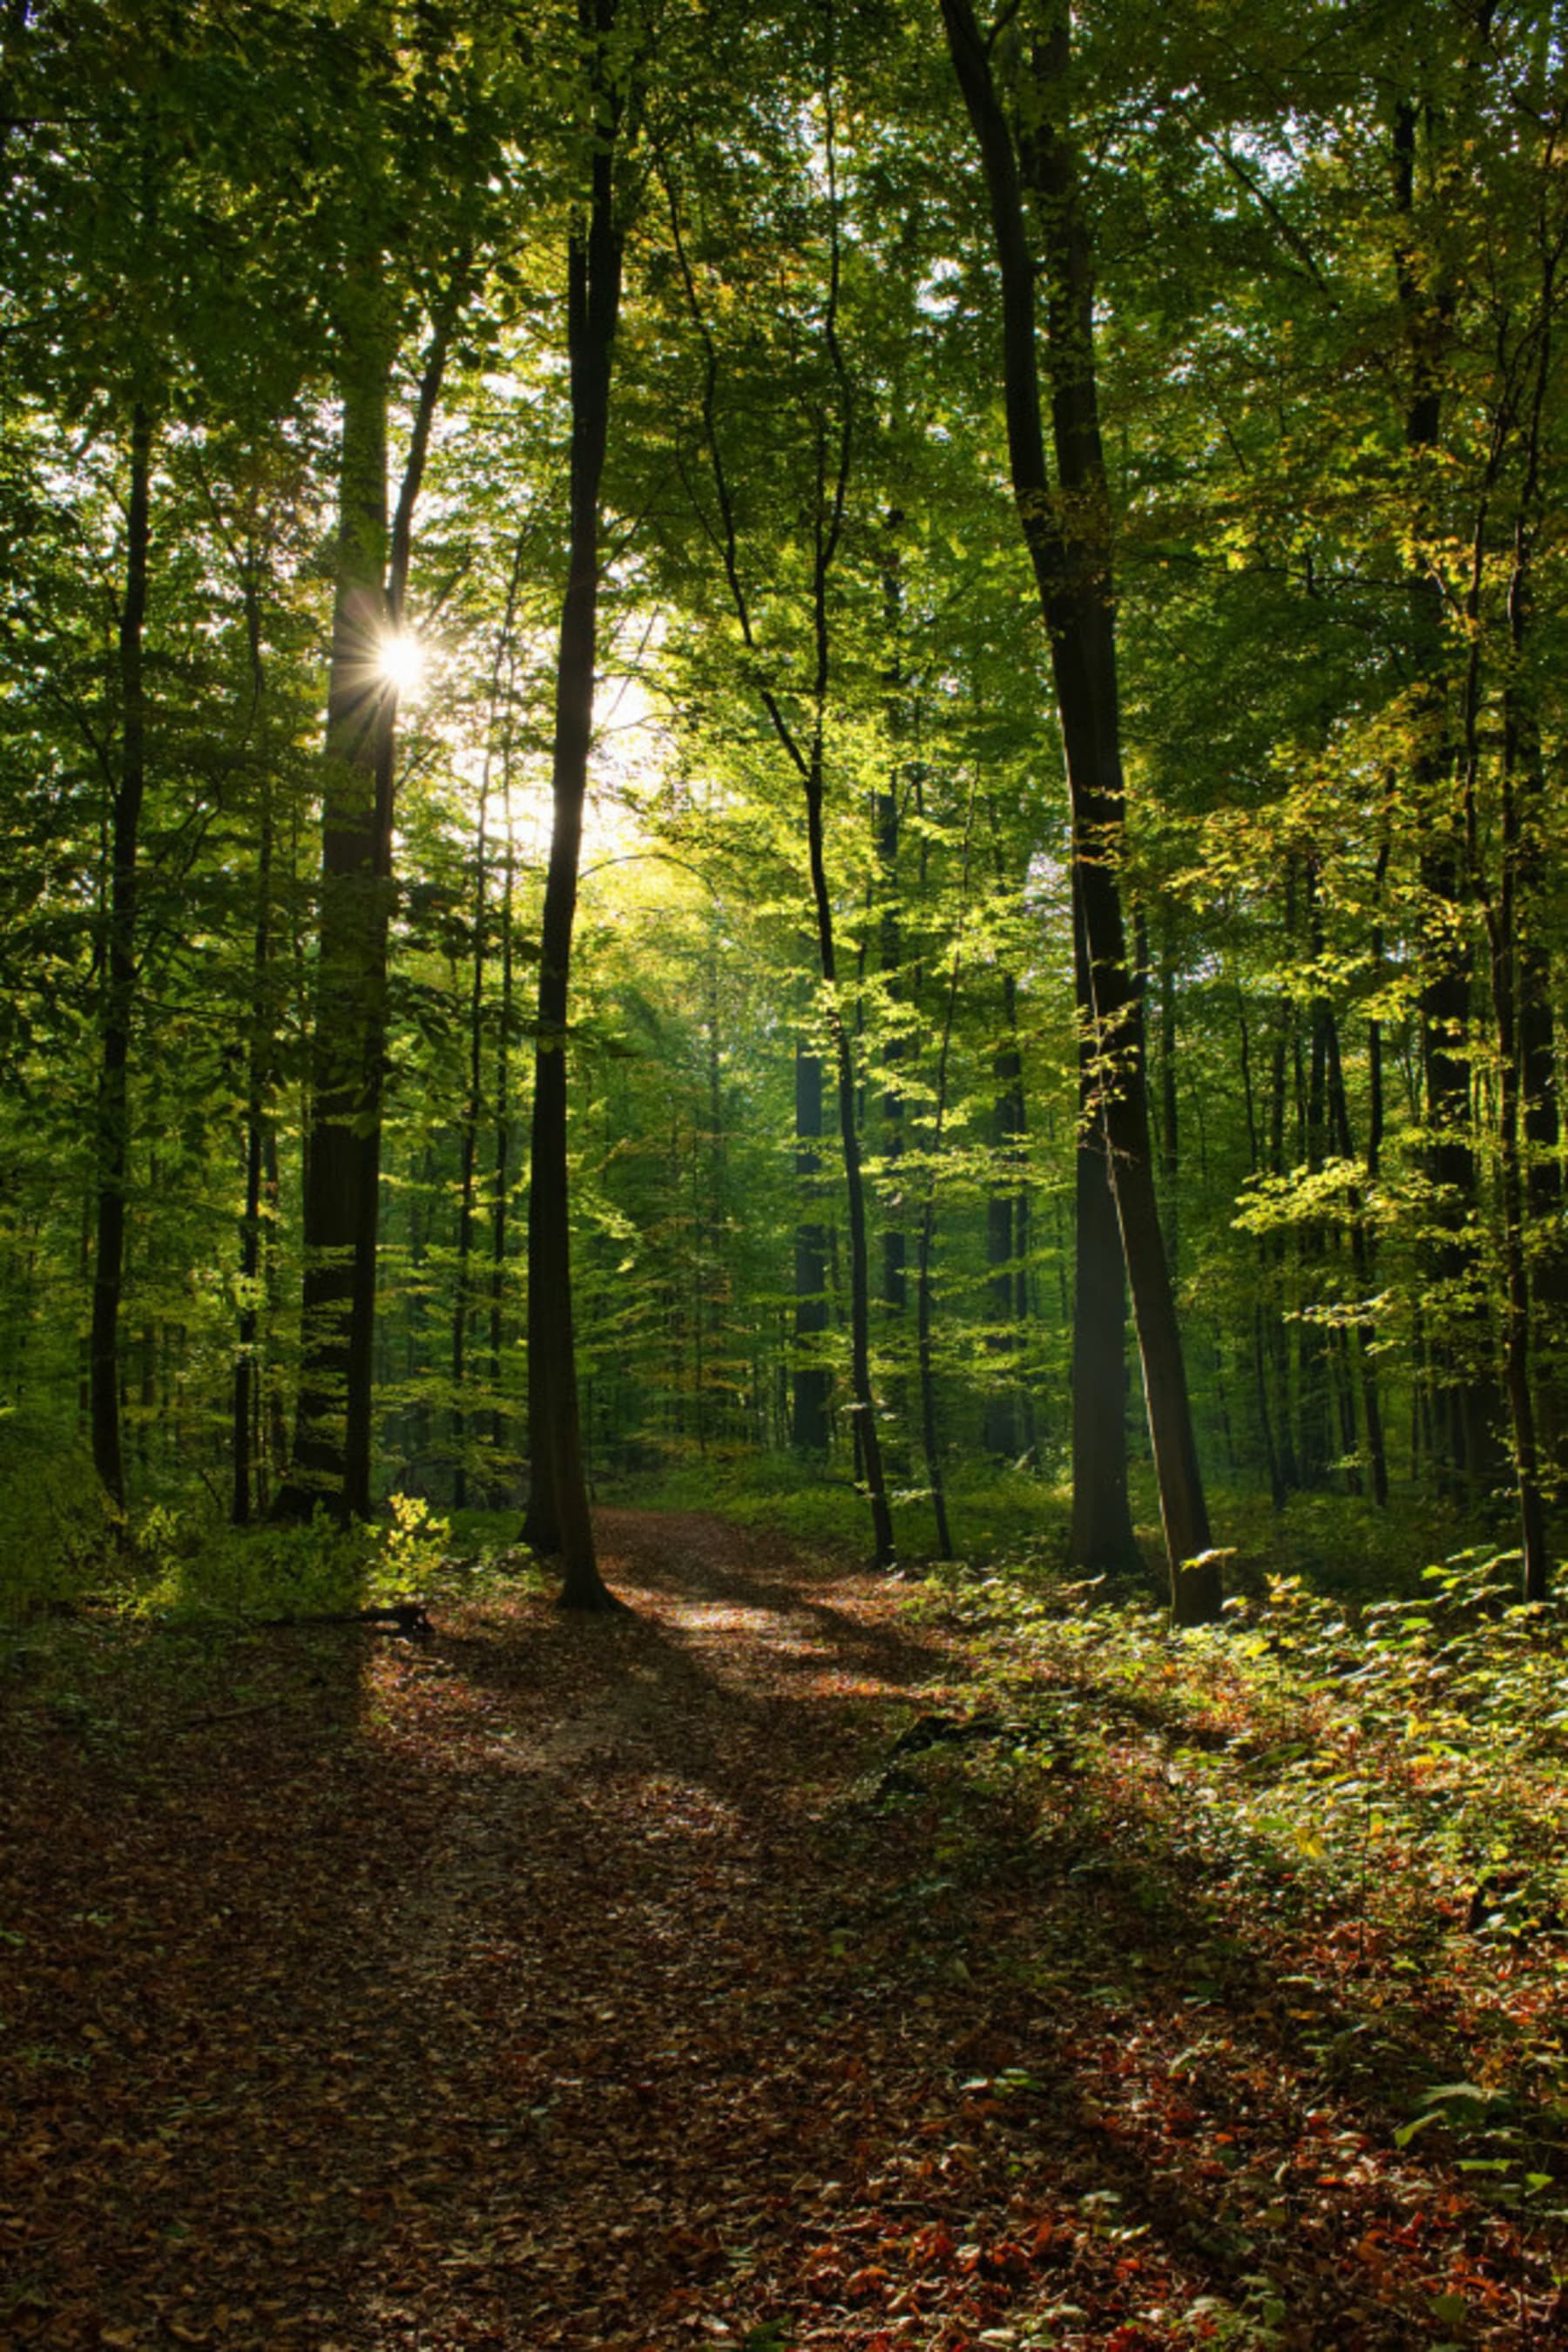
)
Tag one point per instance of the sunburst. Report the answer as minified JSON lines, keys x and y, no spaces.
{"x":401,"y":661}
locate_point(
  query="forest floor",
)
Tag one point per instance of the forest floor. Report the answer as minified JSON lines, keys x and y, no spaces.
{"x":563,"y":1982}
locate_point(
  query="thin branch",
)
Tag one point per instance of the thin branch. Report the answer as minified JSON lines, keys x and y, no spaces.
{"x":728,"y":540}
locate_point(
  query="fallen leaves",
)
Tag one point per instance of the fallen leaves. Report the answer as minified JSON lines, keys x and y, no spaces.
{"x":556,"y":1988}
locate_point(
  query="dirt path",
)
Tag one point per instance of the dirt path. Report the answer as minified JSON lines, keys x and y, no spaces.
{"x":578,"y":1983}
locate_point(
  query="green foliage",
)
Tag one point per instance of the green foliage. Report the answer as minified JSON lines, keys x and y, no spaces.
{"x":180,"y":1566}
{"x":1386,"y":1784}
{"x":56,"y":1531}
{"x":994,"y":1510}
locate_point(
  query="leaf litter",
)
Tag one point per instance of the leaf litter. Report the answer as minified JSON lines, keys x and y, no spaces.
{"x":566,"y":1983}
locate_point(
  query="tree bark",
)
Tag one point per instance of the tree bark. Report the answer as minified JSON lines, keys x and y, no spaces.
{"x":558,"y":1521}
{"x":259,"y":1079}
{"x":868,"y":1434}
{"x":330,"y":1463}
{"x":119,"y":1001}
{"x":1460,"y":1348}
{"x":805,"y":751}
{"x":330,"y":1458}
{"x":501,"y":1168}
{"x":468,"y":1161}
{"x":890,"y":943}
{"x":1539,"y":1110}
{"x":809,"y":1382}
{"x":1102,"y":1536}
{"x":1170,"y":1133}
{"x":1007,"y":1227}
{"x":926,"y":1243}
{"x":1068,"y":545}
{"x":1500,"y":911}
{"x":1538,"y":1174}
{"x":464,"y":1302}
{"x":1362,"y":1257}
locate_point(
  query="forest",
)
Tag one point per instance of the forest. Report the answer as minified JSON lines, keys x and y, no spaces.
{"x":782,"y":853}
{"x":772,"y":740}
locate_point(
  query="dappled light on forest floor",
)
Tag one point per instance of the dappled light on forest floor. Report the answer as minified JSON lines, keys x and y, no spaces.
{"x":623,"y":1983}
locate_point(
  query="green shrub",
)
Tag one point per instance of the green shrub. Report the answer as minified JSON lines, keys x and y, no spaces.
{"x":57,"y":1524}
{"x":181,"y":1565}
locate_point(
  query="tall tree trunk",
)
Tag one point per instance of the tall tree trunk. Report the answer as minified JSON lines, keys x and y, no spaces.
{"x":331,"y":1460}
{"x":248,"y":1448}
{"x":557,"y":1520}
{"x":1260,"y":1365}
{"x":1170,"y":1134}
{"x":1007,"y":1227}
{"x":1499,"y":910}
{"x":248,"y":1370}
{"x":717,"y":1196}
{"x":1314,"y":1425}
{"x":1543,"y":1270}
{"x":1466,"y":1400}
{"x":501,"y":1168}
{"x":463,"y":1303}
{"x":1362,"y":1258}
{"x":809,"y":1417}
{"x":925,"y":1247}
{"x":894,"y":1248}
{"x":274,"y":1404}
{"x":1102,"y":1536}
{"x":1069,"y":544}
{"x":330,"y":1463}
{"x":119,"y":1001}
{"x":866,"y":1433}
{"x":1539,"y":1105}
{"x":468,"y":1160}
{"x":889,"y":942}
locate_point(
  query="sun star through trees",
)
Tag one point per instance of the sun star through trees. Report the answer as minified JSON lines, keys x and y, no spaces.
{"x":401,"y":660}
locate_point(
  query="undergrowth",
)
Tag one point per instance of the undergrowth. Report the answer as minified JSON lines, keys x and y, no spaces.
{"x":184,"y":1566}
{"x":992,"y":1509}
{"x":1340,"y":1543}
{"x":1373,"y":1801}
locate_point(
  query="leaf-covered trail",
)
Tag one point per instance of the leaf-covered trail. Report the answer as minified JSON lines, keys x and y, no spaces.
{"x":570,"y":1983}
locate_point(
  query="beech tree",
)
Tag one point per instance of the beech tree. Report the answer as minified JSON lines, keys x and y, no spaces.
{"x":558,"y":1520}
{"x":1066,"y":535}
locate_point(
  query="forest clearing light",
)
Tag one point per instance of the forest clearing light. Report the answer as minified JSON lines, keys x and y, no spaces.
{"x":402,"y":663}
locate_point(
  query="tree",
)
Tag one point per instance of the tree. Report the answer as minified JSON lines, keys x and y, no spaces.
{"x":828,"y":406}
{"x":1068,"y":539}
{"x":415,"y":133}
{"x":558,"y":1520}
